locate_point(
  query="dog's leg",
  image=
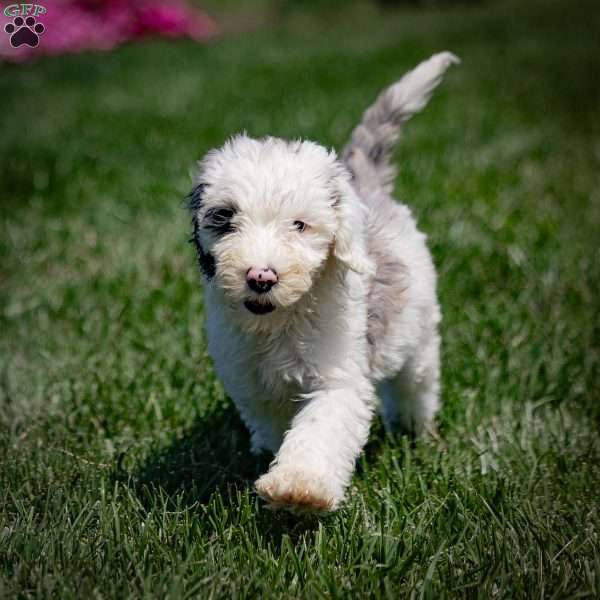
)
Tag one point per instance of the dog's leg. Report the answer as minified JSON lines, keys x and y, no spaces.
{"x":317,"y":458}
{"x":267,"y":422}
{"x":410,"y":400}
{"x":264,"y":438}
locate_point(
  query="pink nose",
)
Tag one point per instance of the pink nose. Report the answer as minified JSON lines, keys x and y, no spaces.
{"x":261,"y":280}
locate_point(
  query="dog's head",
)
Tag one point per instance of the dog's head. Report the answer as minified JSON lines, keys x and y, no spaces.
{"x":267,"y":215}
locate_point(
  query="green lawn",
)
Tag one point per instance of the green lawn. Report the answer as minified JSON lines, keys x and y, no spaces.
{"x":125,"y":471}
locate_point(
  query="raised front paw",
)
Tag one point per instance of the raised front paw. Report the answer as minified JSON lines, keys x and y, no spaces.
{"x":294,"y":489}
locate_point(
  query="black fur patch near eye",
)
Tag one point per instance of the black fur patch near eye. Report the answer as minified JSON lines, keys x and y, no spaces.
{"x":218,"y":220}
{"x":206,"y":260}
{"x":207,"y":264}
{"x":194,"y":199}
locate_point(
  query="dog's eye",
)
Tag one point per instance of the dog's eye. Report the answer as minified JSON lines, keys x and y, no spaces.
{"x":221,"y":215}
{"x":300,"y":226}
{"x":219,"y":220}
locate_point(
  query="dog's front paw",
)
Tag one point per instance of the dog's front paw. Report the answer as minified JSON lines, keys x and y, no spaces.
{"x":295,"y":489}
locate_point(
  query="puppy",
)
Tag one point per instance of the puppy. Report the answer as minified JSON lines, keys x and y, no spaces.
{"x":320,"y":295}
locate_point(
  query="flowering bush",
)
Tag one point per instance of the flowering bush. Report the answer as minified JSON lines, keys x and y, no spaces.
{"x":78,"y":25}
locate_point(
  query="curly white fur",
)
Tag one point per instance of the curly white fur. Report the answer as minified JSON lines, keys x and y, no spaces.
{"x":354,"y":312}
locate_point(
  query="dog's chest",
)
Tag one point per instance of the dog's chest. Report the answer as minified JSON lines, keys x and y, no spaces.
{"x":287,"y":366}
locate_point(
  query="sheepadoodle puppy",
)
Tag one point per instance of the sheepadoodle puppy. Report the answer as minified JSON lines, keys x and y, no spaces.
{"x":320,"y":295}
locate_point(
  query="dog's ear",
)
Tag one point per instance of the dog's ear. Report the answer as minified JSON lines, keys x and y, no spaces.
{"x":193,"y":203}
{"x":349,"y":243}
{"x":205,"y":259}
{"x":194,"y":198}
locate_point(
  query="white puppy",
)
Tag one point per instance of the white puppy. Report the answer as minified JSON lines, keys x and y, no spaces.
{"x":320,"y":293}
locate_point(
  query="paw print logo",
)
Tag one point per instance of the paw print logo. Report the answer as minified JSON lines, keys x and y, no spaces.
{"x":24,"y":31}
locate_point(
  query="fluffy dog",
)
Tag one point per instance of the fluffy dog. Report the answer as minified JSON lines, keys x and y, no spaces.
{"x":320,"y":295}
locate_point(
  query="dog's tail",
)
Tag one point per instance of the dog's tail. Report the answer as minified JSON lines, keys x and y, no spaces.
{"x":368,"y":153}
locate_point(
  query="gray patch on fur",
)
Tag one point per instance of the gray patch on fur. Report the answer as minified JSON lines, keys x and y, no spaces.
{"x":386,"y":298}
{"x":368,"y":156}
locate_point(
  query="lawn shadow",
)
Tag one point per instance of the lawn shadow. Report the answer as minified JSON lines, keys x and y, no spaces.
{"x":213,"y":455}
{"x":379,"y":438}
{"x":212,"y":464}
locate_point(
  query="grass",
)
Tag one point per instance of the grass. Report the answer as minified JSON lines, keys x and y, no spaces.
{"x":124,"y":470}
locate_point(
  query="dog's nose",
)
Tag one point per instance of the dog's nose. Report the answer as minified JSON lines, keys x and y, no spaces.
{"x":261,"y":280}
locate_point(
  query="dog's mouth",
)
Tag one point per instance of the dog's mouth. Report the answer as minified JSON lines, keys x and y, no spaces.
{"x":259,"y":308}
